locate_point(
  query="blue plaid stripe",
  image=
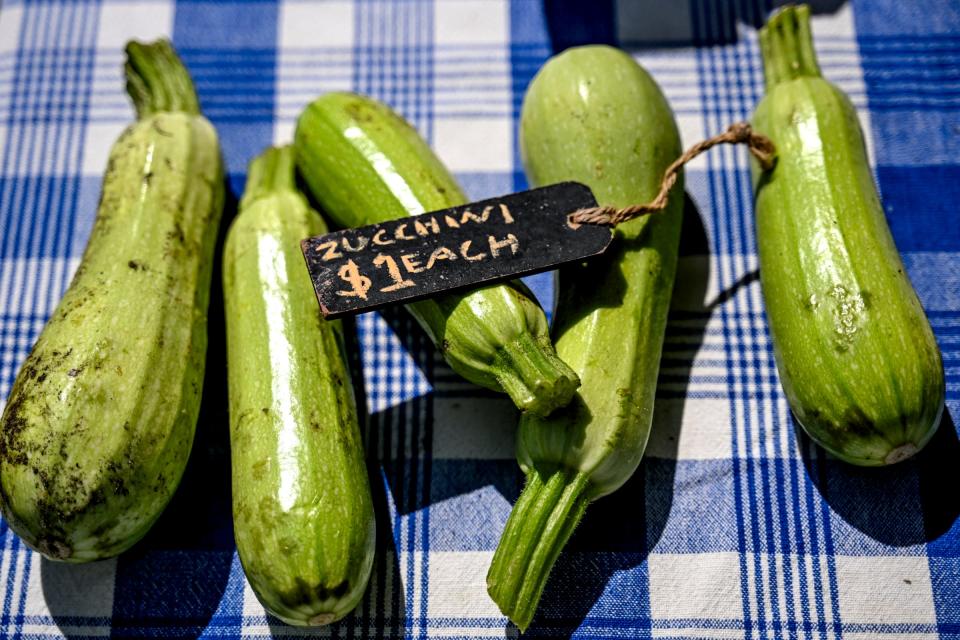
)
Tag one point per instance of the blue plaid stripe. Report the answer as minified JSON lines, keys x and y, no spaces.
{"x":922,"y":99}
{"x":44,"y":68}
{"x":704,"y":30}
{"x":392,"y":52}
{"x":735,"y":526}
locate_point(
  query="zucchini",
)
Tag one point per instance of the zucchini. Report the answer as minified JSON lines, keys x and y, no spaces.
{"x":302,"y":512}
{"x":364,"y":164}
{"x":99,"y":423}
{"x":856,"y":355}
{"x":593,"y":115}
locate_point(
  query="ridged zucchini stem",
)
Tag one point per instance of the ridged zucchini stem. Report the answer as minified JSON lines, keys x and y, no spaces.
{"x":786,"y":45}
{"x":157,"y":79}
{"x":543,"y":519}
{"x":270,"y":172}
{"x":533,"y":376}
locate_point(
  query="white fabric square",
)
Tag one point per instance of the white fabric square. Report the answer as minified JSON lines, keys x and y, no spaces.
{"x":704,"y":425}
{"x":888,"y":589}
{"x":144,"y":21}
{"x":314,"y":56}
{"x":474,"y":144}
{"x":10,"y":20}
{"x":690,"y":125}
{"x":696,"y":585}
{"x":283,"y":129}
{"x":461,"y":22}
{"x":303,"y":25}
{"x":838,"y":24}
{"x":99,"y":140}
{"x":253,"y":609}
{"x":458,"y":586}
{"x":253,"y":613}
{"x":251,"y":606}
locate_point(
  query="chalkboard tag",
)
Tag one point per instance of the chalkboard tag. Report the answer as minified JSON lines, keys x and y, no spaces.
{"x":357,"y":270}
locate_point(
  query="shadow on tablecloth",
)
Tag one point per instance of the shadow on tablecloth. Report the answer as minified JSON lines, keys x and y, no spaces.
{"x":907,"y":504}
{"x":619,"y":531}
{"x":382,"y":611}
{"x":644,"y":24}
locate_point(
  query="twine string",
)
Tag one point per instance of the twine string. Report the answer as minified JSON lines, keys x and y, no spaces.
{"x":738,"y":133}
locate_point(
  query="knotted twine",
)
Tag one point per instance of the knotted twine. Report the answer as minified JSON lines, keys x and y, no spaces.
{"x":738,"y":133}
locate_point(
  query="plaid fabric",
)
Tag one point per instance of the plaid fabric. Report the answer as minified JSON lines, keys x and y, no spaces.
{"x":735,"y":525}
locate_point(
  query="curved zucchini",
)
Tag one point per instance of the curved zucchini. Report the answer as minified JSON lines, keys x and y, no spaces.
{"x":856,"y":355}
{"x":98,"y":426}
{"x":302,"y":511}
{"x":593,"y":115}
{"x":364,"y":164}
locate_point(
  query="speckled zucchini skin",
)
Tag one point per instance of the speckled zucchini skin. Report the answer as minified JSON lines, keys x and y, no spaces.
{"x":593,"y":115}
{"x":99,"y":423}
{"x":855,"y":352}
{"x":302,"y":512}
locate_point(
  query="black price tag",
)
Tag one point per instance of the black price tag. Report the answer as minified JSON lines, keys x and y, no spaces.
{"x":357,"y":270}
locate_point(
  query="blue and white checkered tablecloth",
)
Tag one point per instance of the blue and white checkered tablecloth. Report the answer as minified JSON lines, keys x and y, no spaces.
{"x":735,"y":525}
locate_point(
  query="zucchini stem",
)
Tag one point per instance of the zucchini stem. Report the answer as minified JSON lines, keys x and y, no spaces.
{"x":157,"y":79}
{"x":270,"y":172}
{"x":786,"y":45}
{"x":534,"y":377}
{"x":543,"y":519}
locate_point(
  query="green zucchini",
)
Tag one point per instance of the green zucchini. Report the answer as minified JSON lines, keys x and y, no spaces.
{"x":855,"y":352}
{"x":593,"y":115}
{"x":99,"y":423}
{"x":364,"y":164}
{"x":302,"y":512}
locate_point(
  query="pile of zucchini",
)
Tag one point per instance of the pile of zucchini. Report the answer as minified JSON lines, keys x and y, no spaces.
{"x":99,"y":423}
{"x":855,"y":352}
{"x":98,"y":427}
